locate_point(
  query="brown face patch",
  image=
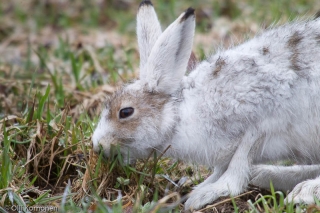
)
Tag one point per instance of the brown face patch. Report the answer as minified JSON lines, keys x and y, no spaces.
{"x":220,"y":63}
{"x":156,"y":99}
{"x":114,"y":104}
{"x":147,"y":105}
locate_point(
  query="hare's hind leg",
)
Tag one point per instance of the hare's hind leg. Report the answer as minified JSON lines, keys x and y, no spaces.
{"x":283,"y":178}
{"x":305,"y":192}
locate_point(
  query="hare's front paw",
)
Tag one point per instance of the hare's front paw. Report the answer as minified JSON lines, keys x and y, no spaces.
{"x":305,"y":192}
{"x":204,"y":195}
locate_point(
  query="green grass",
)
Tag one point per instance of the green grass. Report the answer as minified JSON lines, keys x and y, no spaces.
{"x":59,"y":61}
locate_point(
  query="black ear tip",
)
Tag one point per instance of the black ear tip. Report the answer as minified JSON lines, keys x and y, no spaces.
{"x":145,"y":3}
{"x":189,"y":12}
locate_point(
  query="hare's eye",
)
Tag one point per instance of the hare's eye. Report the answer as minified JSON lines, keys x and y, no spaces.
{"x":126,"y":112}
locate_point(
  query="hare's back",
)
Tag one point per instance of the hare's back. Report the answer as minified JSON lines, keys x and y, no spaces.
{"x":271,"y":82}
{"x":273,"y":76}
{"x":266,"y":71}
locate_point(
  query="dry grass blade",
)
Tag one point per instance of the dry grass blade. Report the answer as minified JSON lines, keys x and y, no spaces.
{"x":84,"y":188}
{"x":163,"y":202}
{"x":313,"y":208}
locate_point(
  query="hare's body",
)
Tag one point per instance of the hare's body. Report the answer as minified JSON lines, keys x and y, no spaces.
{"x":251,"y":104}
{"x":269,"y":85}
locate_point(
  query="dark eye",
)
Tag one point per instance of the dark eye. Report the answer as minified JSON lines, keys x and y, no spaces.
{"x":126,"y":112}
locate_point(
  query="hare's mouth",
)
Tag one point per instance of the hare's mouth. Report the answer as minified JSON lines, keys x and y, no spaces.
{"x":115,"y":154}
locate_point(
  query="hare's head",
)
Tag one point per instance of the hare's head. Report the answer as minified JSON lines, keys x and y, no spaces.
{"x":141,"y":116}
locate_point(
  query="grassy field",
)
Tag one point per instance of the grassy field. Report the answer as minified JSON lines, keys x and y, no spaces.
{"x":59,"y":60}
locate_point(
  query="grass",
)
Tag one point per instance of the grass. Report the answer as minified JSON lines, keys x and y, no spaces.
{"x":59,"y":61}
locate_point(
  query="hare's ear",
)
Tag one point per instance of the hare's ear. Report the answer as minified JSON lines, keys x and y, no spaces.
{"x":169,"y":57}
{"x":148,"y":31}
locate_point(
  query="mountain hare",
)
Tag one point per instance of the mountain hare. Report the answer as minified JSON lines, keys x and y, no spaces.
{"x":251,"y":104}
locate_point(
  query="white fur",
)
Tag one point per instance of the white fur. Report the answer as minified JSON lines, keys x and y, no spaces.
{"x":148,"y":32}
{"x":169,"y":57}
{"x":248,"y":105}
{"x":283,"y":178}
{"x":97,"y":135}
{"x":305,"y":192}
